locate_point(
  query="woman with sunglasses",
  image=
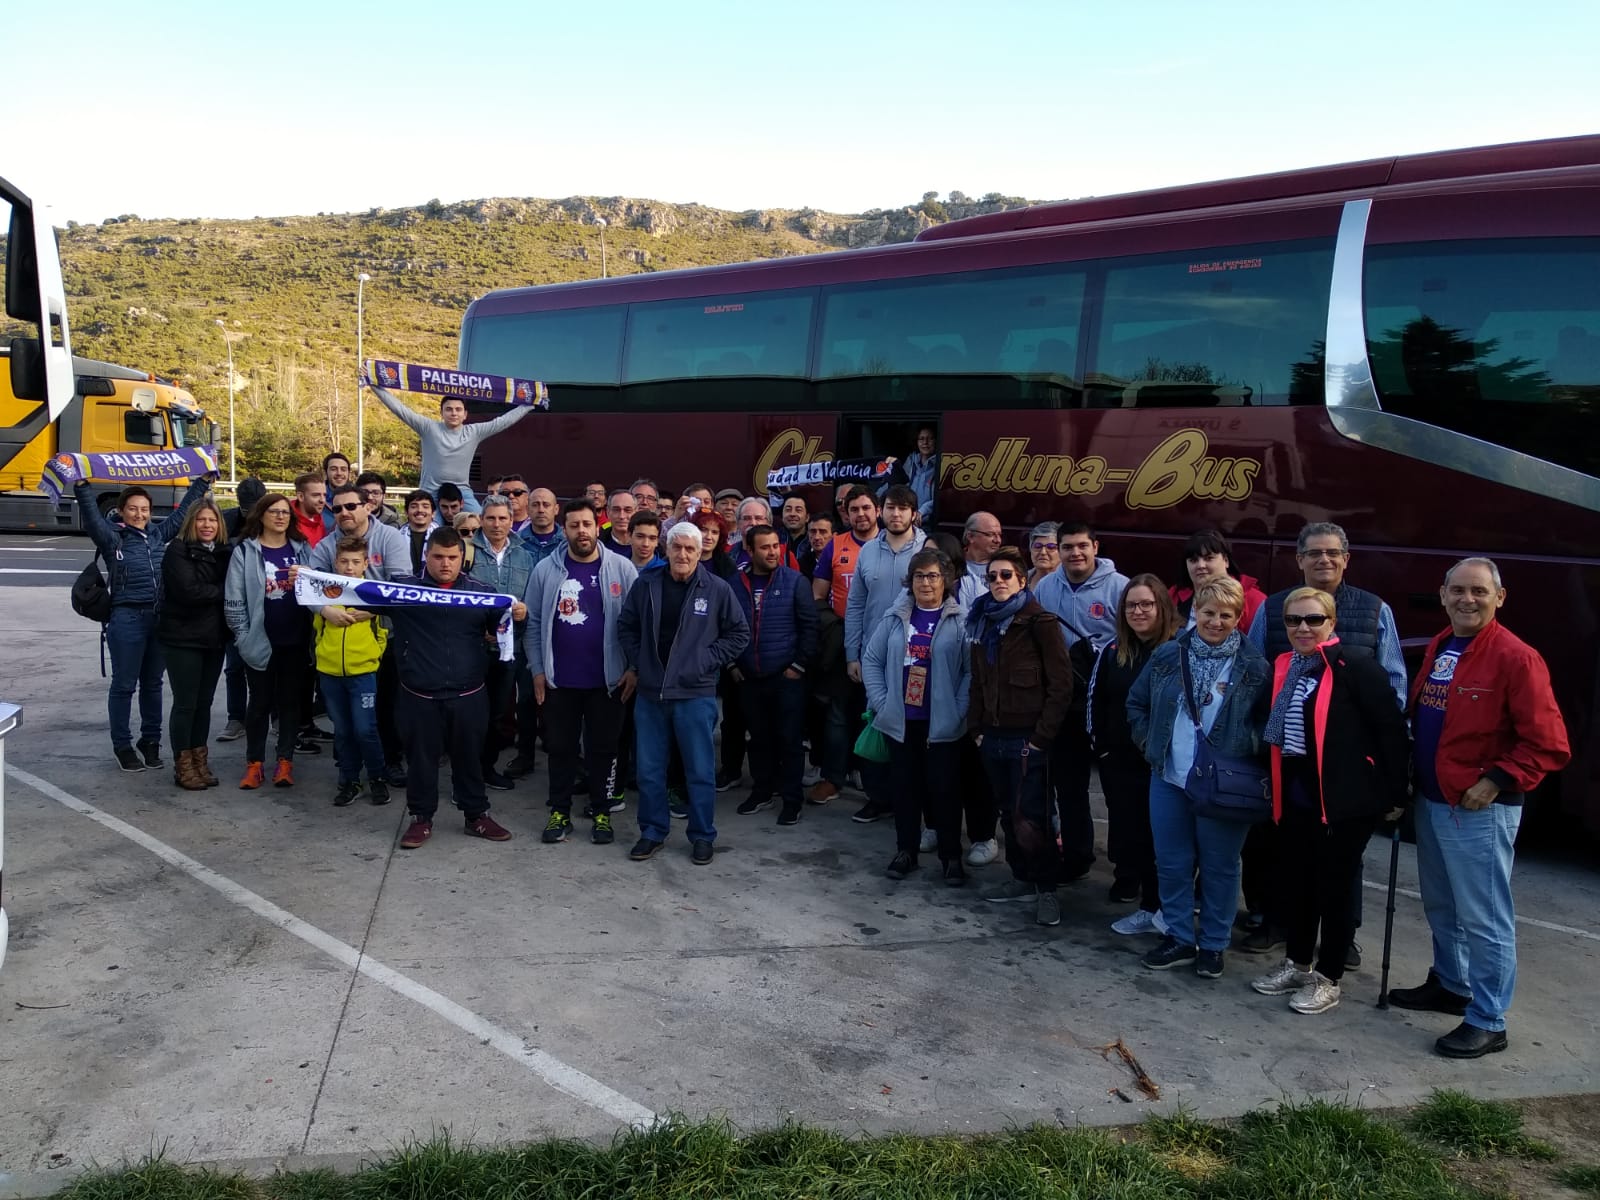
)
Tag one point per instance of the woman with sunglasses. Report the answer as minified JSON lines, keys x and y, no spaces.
{"x":1043,"y":551}
{"x":1021,"y":689}
{"x":1209,"y":683}
{"x":1146,"y":620}
{"x":1339,"y":763}
{"x":272,"y":632}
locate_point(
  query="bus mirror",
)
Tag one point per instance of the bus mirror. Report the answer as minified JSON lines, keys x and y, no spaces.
{"x":35,"y":294}
{"x":27,"y":369}
{"x":144,"y":399}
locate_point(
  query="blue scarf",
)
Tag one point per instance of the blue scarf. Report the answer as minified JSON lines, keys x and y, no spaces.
{"x":1206,"y":663}
{"x":985,"y":621}
{"x":1301,"y":666}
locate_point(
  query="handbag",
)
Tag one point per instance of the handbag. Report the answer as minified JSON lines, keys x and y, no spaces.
{"x":91,"y":597}
{"x":1224,"y":787}
{"x":871,"y":745}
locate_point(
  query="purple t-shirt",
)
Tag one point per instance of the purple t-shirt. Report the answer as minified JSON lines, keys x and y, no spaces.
{"x":578,"y":632}
{"x":283,"y":619}
{"x":919,"y":652}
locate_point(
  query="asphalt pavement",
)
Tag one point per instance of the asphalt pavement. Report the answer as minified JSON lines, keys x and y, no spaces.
{"x":43,"y":560}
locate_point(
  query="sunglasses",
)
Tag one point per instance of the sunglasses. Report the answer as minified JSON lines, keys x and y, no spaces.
{"x":1314,"y":620}
{"x":513,"y":492}
{"x":1037,"y":546}
{"x":349,"y":507}
{"x":993,"y":575}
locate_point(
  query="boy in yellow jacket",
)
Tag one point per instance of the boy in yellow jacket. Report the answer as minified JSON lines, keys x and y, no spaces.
{"x":347,"y":660}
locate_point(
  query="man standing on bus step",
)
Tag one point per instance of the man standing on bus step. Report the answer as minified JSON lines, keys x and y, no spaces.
{"x":879,"y":581}
{"x":543,"y":537}
{"x":1487,"y":731}
{"x":1366,"y":624}
{"x":448,"y":444}
{"x":312,"y":518}
{"x":777,"y":604}
{"x":679,"y":628}
{"x":1083,"y":593}
{"x":501,"y":563}
{"x":575,"y":599}
{"x":830,"y":581}
{"x":620,"y":508}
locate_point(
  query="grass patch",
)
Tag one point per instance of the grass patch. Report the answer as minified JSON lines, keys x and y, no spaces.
{"x":1475,"y":1128}
{"x":1581,"y":1179}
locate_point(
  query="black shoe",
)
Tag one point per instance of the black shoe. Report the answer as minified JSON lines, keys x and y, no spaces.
{"x":677,"y":805}
{"x":727,"y":779}
{"x":1075,"y":871}
{"x":493,"y":779}
{"x":1432,"y":996}
{"x":955,"y":875}
{"x":643,"y":849}
{"x":346,"y":794}
{"x":397,"y":775}
{"x":1249,"y":922}
{"x":306,"y":745}
{"x":128,"y":759}
{"x":152,"y":755}
{"x":701,"y":853}
{"x":557,"y":828}
{"x":870,"y":812}
{"x":519,"y":766}
{"x":1208,"y":964}
{"x":602,"y":834}
{"x":377,"y":792}
{"x":1170,"y":953}
{"x":314,"y":730}
{"x":1468,"y":1041}
{"x":1352,"y":957}
{"x":754,"y":805}
{"x":789,"y":814}
{"x":1262,"y":940}
{"x":1124,"y":891}
{"x":901,"y":865}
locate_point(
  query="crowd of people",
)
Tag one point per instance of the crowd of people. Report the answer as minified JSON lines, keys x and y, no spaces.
{"x":965,"y":687}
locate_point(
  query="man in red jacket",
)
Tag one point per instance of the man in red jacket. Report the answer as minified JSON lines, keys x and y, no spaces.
{"x":1487,"y":731}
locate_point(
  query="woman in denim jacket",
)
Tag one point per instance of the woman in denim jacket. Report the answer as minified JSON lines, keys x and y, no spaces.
{"x":1232,"y":693}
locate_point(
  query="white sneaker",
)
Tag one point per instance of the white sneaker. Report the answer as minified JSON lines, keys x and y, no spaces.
{"x":929,"y":842}
{"x":1319,"y":995}
{"x":853,"y":780}
{"x":1139,"y":921}
{"x":1284,"y":978}
{"x":811,"y":775}
{"x":983,"y":853}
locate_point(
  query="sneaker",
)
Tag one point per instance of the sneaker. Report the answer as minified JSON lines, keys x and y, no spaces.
{"x":928,"y":842}
{"x":283,"y":774}
{"x":1124,"y":891}
{"x":821,"y":792}
{"x":496,"y":781}
{"x":1049,"y":909}
{"x":677,"y":806}
{"x":983,"y":853}
{"x":306,"y":745}
{"x":602,"y":834}
{"x":1170,"y":953}
{"x":955,"y":875}
{"x":727,"y":779}
{"x":1250,"y":921}
{"x":701,"y":853}
{"x":231,"y":732}
{"x":789,"y":814}
{"x":557,"y":828}
{"x":254,"y":777}
{"x":152,"y":754}
{"x":420,"y":831}
{"x":643,"y":849}
{"x":1432,"y":996}
{"x":346,"y":795}
{"x":128,"y":759}
{"x":1284,"y":979}
{"x":1009,"y":891}
{"x":315,"y":731}
{"x":1264,"y":939}
{"x":397,"y":775}
{"x":901,"y":865}
{"x":1139,"y":921}
{"x":1352,"y":957}
{"x":1318,"y":995}
{"x":486,"y":827}
{"x":377,"y":793}
{"x":754,"y":804}
{"x":1208,"y":964}
{"x":870,"y":812}
{"x":519,"y":766}
{"x":853,"y":780}
{"x":619,"y":801}
{"x":810,"y":776}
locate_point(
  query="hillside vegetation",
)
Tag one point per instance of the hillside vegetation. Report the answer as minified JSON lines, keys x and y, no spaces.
{"x":149,"y":294}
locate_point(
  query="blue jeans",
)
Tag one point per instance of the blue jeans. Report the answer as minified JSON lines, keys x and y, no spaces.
{"x":1464,"y":870}
{"x":688,"y":724}
{"x":352,"y":702}
{"x":1181,"y":840}
{"x":137,"y":664}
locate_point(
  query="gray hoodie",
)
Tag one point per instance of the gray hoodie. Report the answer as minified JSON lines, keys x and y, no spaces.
{"x":879,"y":581}
{"x":1087,"y":609}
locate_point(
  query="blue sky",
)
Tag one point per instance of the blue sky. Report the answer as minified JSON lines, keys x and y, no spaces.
{"x":183,"y":109}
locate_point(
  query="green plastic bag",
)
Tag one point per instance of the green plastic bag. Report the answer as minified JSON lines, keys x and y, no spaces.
{"x":871,"y":746}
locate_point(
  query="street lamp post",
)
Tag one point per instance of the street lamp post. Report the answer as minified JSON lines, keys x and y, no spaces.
{"x":361,"y":365}
{"x":233,"y":445}
{"x":601,"y":221}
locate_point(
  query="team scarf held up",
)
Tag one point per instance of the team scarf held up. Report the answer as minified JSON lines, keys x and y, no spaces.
{"x":316,"y":588}
{"x":126,"y":468}
{"x":463,"y":385}
{"x":838,"y":470}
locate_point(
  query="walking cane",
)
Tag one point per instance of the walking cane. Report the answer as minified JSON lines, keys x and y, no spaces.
{"x":1388,"y":918}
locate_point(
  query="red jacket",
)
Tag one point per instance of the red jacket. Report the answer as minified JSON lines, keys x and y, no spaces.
{"x":1254,"y":598}
{"x":1501,"y":720}
{"x":311,"y":528}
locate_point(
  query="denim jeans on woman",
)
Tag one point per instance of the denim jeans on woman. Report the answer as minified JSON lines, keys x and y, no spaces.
{"x":137,"y":665}
{"x":1183,"y":841}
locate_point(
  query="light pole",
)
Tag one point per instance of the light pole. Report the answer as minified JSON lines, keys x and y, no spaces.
{"x":601,"y":221}
{"x":361,"y":365}
{"x":233,"y":451}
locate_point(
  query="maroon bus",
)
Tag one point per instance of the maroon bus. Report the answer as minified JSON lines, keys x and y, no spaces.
{"x":1407,"y":346}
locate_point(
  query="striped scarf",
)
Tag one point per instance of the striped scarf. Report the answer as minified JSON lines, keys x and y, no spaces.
{"x":1285,"y":709}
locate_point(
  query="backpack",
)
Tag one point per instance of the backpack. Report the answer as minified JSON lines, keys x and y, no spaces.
{"x":91,"y":597}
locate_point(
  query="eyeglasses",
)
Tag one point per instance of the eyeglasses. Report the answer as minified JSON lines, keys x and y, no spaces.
{"x":1322,"y":554}
{"x":513,"y":492}
{"x":1314,"y":620}
{"x":1139,"y":606}
{"x":1006,"y":574}
{"x":1050,"y":546}
{"x":988,"y":533}
{"x":927,"y":577}
{"x":349,"y":507}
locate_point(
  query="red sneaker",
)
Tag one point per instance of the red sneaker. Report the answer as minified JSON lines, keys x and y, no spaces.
{"x":284,"y":775}
{"x":486,"y":827}
{"x":254,"y":776}
{"x":421,"y":830}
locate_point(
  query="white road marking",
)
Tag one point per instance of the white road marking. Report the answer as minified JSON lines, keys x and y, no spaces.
{"x":38,"y":571}
{"x":35,"y":549}
{"x":1534,"y":921}
{"x":552,"y":1070}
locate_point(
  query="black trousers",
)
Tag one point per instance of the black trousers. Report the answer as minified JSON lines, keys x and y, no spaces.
{"x":501,"y":684}
{"x":977,"y":797}
{"x":1129,"y":844}
{"x":1070,"y":759}
{"x":193,"y":675}
{"x":581,"y":723}
{"x":1020,"y":780}
{"x":430,"y":727}
{"x":731,"y":752}
{"x":774,"y":715}
{"x":276,"y":691}
{"x":1315,"y":869}
{"x":923,"y":777}
{"x":1261,"y":875}
{"x":394,"y":750}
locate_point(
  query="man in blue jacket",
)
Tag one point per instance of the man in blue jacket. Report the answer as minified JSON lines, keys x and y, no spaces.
{"x":679,"y":628}
{"x":776,"y":602}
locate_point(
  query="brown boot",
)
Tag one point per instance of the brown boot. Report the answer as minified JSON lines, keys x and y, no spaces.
{"x":202,"y":762}
{"x":187,"y":771}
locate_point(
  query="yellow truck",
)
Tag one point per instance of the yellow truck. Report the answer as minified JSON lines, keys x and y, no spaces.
{"x":112,"y":409}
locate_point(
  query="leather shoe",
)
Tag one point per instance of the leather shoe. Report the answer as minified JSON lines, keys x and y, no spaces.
{"x":1432,"y":996}
{"x":1468,"y":1041}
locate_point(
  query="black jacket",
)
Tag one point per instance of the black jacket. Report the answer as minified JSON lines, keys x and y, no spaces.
{"x":442,"y":651}
{"x":192,"y":580}
{"x":1108,"y":702}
